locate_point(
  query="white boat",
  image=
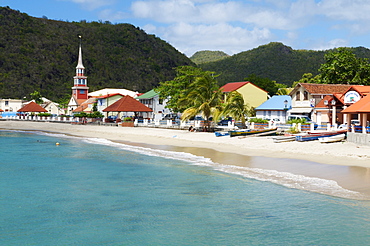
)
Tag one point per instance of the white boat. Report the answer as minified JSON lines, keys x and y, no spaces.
{"x":280,"y":139}
{"x":332,"y":139}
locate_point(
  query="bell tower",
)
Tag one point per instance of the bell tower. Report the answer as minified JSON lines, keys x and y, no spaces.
{"x":80,"y":89}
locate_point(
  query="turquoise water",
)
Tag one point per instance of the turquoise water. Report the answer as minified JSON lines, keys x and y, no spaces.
{"x":95,"y":192}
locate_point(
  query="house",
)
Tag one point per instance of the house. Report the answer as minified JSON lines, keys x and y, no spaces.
{"x":253,"y":95}
{"x":329,"y":109}
{"x":361,"y":109}
{"x":104,"y":101}
{"x":151,"y":100}
{"x":111,"y":91}
{"x":275,"y":108}
{"x":10,"y":105}
{"x":87,"y":106}
{"x":306,"y":96}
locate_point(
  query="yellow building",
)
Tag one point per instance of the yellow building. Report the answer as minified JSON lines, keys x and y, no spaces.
{"x":253,"y":95}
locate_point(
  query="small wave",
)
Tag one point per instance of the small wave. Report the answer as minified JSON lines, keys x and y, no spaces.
{"x":289,"y":180}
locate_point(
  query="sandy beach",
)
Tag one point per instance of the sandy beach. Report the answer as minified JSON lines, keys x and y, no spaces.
{"x":346,"y":163}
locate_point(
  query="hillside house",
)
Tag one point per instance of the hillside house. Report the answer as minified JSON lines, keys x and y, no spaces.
{"x":306,"y":96}
{"x":253,"y":95}
{"x":151,"y":100}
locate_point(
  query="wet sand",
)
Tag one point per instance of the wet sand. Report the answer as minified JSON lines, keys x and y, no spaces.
{"x":346,"y":163}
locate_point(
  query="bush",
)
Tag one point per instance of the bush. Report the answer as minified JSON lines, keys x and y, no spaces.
{"x":297,"y":121}
{"x":44,"y":114}
{"x":258,"y":120}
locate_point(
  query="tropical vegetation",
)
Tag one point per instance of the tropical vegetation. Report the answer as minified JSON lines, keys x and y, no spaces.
{"x":196,"y":92}
{"x":205,"y":56}
{"x":274,"y":61}
{"x":38,"y":54}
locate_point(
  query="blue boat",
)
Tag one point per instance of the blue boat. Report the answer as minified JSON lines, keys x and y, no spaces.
{"x":316,"y":136}
{"x":221,"y":134}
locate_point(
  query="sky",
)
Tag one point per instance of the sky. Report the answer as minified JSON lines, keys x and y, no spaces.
{"x":229,"y":26}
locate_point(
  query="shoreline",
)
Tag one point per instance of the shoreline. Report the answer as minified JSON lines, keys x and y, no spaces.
{"x":346,"y":163}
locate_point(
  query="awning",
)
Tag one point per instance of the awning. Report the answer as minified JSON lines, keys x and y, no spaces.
{"x":300,"y":110}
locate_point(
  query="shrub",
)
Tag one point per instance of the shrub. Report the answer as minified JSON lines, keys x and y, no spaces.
{"x":258,"y":120}
{"x":297,"y":121}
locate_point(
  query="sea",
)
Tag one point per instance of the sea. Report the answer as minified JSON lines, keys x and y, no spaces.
{"x":63,"y":190}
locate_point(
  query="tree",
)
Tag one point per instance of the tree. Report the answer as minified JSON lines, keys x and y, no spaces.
{"x":235,"y":107}
{"x":37,"y":97}
{"x":264,"y":83}
{"x":175,"y":89}
{"x":204,"y":97}
{"x":343,"y":67}
{"x":307,"y":78}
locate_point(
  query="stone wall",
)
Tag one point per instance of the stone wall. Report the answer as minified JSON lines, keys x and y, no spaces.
{"x":358,"y":138}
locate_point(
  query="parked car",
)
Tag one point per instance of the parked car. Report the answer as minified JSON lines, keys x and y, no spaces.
{"x":170,"y":117}
{"x":298,"y":116}
{"x":225,"y":122}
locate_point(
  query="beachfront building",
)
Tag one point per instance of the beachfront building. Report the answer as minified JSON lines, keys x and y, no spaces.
{"x":151,"y":100}
{"x":112,"y":91}
{"x":306,"y":96}
{"x":359,"y":134}
{"x":128,"y":106}
{"x":10,"y":106}
{"x":275,"y":109}
{"x":79,"y":90}
{"x":253,"y":95}
{"x":329,"y":109}
{"x":104,"y":101}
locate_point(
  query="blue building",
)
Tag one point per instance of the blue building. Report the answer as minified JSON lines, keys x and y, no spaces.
{"x":275,"y":108}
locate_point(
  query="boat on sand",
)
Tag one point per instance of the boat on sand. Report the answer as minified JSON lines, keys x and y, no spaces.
{"x":263,"y":132}
{"x":332,"y":139}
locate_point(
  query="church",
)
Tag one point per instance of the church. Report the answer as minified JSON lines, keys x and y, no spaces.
{"x":80,"y":90}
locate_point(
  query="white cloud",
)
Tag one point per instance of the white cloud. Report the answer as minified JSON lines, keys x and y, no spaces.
{"x":335,"y":43}
{"x":92,"y":4}
{"x":112,"y":15}
{"x":349,"y":10}
{"x":191,"y":38}
{"x":209,"y":12}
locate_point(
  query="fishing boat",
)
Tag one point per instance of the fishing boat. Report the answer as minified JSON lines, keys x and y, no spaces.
{"x":248,"y":132}
{"x":332,"y":139}
{"x":221,"y":134}
{"x":317,"y":135}
{"x":280,"y":139}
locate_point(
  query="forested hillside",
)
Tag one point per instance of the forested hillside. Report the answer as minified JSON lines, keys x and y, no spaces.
{"x":208,"y":56}
{"x":274,"y":61}
{"x":41,"y":54}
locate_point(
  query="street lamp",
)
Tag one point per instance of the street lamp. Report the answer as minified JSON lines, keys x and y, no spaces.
{"x":285,"y":108}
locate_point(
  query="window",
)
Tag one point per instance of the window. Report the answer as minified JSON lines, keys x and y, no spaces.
{"x":298,"y":96}
{"x":6,"y":103}
{"x":82,"y":92}
{"x":305,"y":95}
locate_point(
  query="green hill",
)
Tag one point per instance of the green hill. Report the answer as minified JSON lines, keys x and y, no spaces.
{"x":205,"y":56}
{"x":41,"y":54}
{"x":274,"y":61}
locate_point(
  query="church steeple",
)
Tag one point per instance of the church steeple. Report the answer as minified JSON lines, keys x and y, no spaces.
{"x":80,"y":89}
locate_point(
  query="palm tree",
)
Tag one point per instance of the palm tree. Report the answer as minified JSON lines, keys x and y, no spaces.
{"x":205,"y":97}
{"x":235,"y":107}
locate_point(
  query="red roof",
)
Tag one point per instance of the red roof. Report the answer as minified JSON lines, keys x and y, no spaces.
{"x":127,"y":104}
{"x":321,"y":104}
{"x":32,"y":107}
{"x":325,"y":89}
{"x":233,"y":86}
{"x":1,"y":110}
{"x":362,"y":106}
{"x":229,"y":87}
{"x":110,"y":95}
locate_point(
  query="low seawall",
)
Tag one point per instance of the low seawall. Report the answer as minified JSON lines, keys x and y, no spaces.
{"x":358,"y":138}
